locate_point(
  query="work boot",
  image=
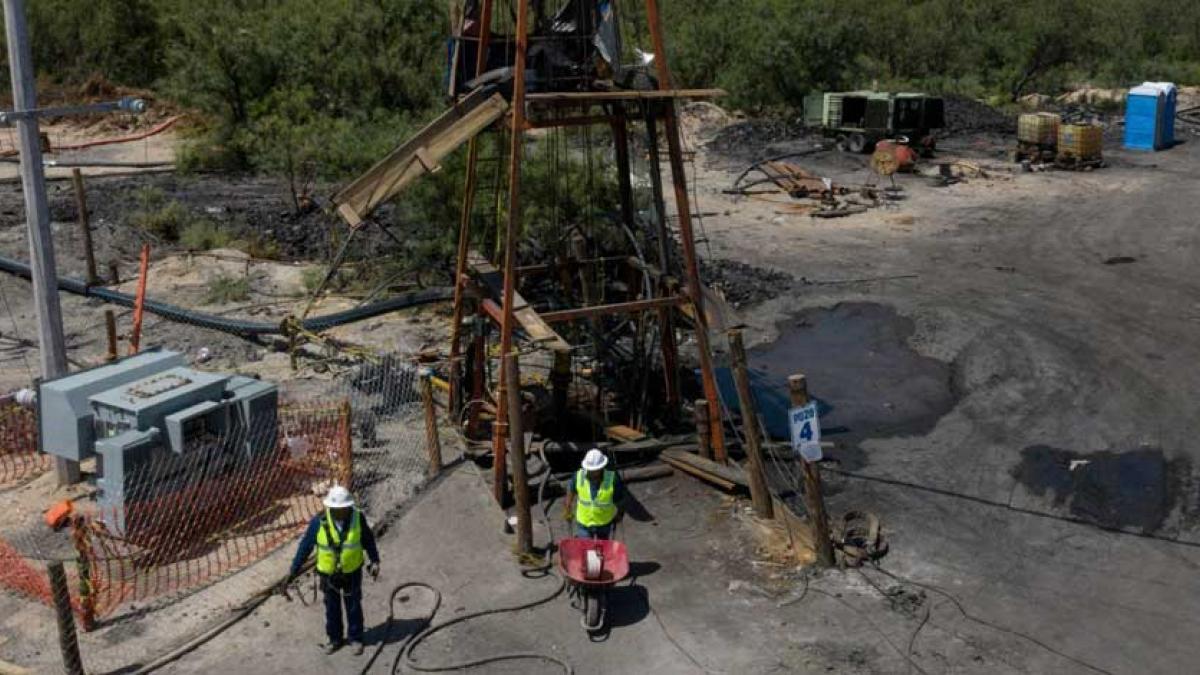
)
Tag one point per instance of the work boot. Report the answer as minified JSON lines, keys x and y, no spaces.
{"x":358,"y":648}
{"x":331,"y":647}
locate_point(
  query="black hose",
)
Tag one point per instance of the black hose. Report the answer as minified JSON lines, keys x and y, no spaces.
{"x":239,"y":327}
{"x":405,"y":654}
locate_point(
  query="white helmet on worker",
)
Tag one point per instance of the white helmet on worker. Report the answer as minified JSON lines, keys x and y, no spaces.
{"x":338,"y":498}
{"x":594,"y":460}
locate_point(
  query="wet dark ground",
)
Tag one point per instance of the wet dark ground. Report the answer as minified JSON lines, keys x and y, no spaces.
{"x":868,"y":381}
{"x":1136,"y":489}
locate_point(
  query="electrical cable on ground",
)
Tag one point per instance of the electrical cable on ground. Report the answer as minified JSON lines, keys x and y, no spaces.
{"x":984,"y":622}
{"x":405,"y":655}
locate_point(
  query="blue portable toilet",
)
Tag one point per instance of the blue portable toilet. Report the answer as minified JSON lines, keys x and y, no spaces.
{"x":1167,"y":127}
{"x":1144,"y":109}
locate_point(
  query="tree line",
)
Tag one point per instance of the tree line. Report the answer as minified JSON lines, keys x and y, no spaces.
{"x":329,"y":83}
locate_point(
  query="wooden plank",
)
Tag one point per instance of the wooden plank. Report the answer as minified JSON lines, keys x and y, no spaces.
{"x":720,"y":474}
{"x":623,"y":434}
{"x":703,"y":475}
{"x":631,"y":307}
{"x":531,"y":322}
{"x":419,"y":155}
{"x":624,"y":95}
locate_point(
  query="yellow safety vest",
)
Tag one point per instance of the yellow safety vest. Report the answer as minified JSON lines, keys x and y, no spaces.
{"x":595,"y":510}
{"x":335,"y":554}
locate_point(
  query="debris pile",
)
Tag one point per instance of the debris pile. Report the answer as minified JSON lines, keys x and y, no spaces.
{"x":743,"y":284}
{"x":748,"y":137}
{"x":966,"y":115}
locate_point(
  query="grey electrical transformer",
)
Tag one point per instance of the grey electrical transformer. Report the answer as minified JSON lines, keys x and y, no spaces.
{"x":155,"y":426}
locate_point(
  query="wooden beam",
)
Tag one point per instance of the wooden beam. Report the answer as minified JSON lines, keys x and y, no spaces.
{"x":554,"y":123}
{"x":531,"y":322}
{"x":624,"y":95}
{"x":723,"y":476}
{"x":616,"y":308}
{"x":418,"y":155}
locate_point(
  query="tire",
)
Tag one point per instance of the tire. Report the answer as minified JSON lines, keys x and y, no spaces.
{"x":591,"y":609}
{"x":856,"y":143}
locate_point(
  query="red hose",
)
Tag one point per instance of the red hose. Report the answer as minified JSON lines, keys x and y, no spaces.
{"x":166,"y":124}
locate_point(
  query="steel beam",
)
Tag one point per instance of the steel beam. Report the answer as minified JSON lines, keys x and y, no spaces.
{"x":686,"y":236}
{"x":464,"y":225}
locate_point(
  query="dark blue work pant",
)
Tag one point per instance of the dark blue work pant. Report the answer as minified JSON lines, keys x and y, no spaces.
{"x":598,"y":532}
{"x":343,"y":589}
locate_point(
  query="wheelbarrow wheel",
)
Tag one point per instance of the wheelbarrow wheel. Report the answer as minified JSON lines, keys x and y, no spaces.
{"x":592,"y":610}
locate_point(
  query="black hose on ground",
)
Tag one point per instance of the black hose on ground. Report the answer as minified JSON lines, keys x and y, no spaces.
{"x":238,"y":327}
{"x":405,"y":655}
{"x":410,"y":644}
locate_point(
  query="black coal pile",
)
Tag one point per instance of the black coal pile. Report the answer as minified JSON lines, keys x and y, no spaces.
{"x":966,"y":115}
{"x":743,"y":284}
{"x":749,"y":137}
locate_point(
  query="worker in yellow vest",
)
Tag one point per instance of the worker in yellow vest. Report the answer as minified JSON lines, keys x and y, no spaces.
{"x":595,"y":498}
{"x":340,"y":535}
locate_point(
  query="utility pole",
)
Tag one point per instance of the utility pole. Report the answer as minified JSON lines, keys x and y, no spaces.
{"x":43,"y":272}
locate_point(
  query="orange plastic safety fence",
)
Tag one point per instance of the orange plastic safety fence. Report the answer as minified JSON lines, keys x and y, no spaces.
{"x":21,"y":576}
{"x":19,"y":456}
{"x":192,"y":536}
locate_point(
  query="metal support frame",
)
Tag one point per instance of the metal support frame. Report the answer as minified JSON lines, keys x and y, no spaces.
{"x":505,"y":309}
{"x":513,"y":225}
{"x":464,"y":226}
{"x":686,"y":236}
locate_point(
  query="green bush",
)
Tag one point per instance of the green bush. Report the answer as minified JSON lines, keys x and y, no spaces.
{"x":164,"y":222}
{"x":203,"y":234}
{"x":225,"y":289}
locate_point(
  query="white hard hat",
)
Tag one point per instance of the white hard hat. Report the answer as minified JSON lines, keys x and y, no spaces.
{"x":338,"y":498}
{"x":594,"y":460}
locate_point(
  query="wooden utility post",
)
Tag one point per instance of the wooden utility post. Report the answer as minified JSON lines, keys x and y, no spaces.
{"x":516,"y":455}
{"x":703,"y":428}
{"x":43,"y":272}
{"x":110,"y":327}
{"x":85,"y":226}
{"x":760,"y":494}
{"x":433,"y":440}
{"x":814,"y":500}
{"x":139,"y":302}
{"x":68,"y":641}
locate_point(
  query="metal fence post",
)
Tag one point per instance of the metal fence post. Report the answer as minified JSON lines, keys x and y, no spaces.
{"x":83,"y":549}
{"x":68,"y":641}
{"x":346,"y":429}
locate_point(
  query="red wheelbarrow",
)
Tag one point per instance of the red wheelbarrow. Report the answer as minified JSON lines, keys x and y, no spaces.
{"x":591,"y":566}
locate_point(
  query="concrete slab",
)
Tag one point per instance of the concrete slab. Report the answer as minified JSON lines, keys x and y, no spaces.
{"x":704,"y":598}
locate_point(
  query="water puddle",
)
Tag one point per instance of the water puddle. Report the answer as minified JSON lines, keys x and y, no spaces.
{"x":868,"y":381}
{"x":1137,"y":489}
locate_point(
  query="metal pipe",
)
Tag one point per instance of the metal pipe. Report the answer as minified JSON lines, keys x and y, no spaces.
{"x":237,"y":327}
